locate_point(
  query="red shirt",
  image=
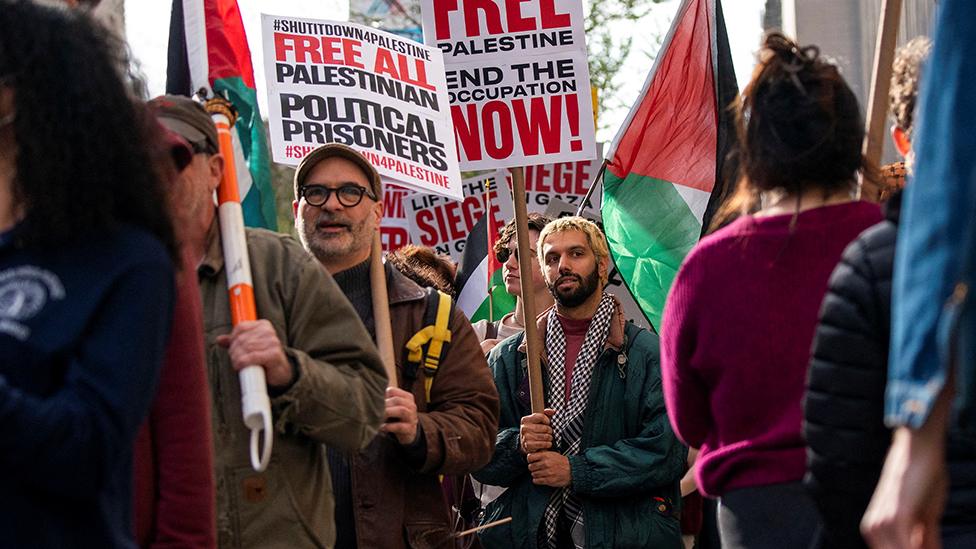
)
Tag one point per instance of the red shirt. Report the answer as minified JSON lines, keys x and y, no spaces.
{"x":173,"y":456}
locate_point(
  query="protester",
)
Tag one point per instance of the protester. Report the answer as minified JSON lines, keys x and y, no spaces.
{"x":441,"y":411}
{"x":424,"y":266}
{"x":603,"y":449}
{"x":324,"y":376}
{"x":173,"y":454}
{"x":506,"y":252}
{"x":740,"y":317}
{"x":86,"y":279}
{"x":933,"y":330}
{"x":844,"y":405}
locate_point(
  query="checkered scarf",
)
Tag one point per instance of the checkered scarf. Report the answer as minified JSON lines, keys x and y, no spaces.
{"x":567,"y":424}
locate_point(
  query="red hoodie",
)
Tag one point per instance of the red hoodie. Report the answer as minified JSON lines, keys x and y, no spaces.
{"x":173,"y":457}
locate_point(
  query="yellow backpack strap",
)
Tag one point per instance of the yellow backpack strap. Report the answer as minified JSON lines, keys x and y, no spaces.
{"x":441,"y":335}
{"x":432,"y":336}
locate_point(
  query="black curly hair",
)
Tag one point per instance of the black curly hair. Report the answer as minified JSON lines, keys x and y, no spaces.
{"x":88,"y":153}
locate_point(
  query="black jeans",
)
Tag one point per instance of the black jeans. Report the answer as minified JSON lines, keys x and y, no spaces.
{"x":776,"y":516}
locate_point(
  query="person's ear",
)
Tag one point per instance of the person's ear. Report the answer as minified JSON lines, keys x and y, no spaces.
{"x":294,"y":208}
{"x":216,"y":165}
{"x":902,"y":143}
{"x":605,"y":269}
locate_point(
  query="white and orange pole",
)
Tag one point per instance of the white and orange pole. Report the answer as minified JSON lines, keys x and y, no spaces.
{"x":255,"y":404}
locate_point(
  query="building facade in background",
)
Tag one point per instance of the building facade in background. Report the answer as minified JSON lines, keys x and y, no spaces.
{"x":846,"y":31}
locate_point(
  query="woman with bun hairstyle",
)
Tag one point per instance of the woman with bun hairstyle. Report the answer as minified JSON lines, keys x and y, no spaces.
{"x":740,"y":318}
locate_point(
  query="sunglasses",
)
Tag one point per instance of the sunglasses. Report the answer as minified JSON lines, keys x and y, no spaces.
{"x":502,"y":255}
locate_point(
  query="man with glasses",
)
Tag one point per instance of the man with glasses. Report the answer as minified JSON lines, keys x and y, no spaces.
{"x":389,"y":495}
{"x":506,"y":252}
{"x":324,"y":376}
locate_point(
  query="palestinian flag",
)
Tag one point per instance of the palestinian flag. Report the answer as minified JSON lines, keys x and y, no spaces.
{"x":663,"y":172}
{"x":208,"y":49}
{"x":481,"y":289}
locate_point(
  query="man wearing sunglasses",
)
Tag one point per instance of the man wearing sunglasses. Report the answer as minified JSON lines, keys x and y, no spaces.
{"x":389,"y":495}
{"x":506,"y":252}
{"x":324,"y":375}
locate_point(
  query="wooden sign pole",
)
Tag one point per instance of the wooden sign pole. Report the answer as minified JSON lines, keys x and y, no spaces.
{"x":884,"y":53}
{"x":533,"y":345}
{"x":381,"y":310}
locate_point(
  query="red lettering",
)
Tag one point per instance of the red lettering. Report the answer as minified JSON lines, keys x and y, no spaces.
{"x":471,"y":209}
{"x":428,"y":233}
{"x":503,"y":149}
{"x":495,"y":211}
{"x":454,"y":231}
{"x":302,"y":46}
{"x":472,"y":23}
{"x":540,"y":184}
{"x":541,"y":122}
{"x":561,"y":182}
{"x":513,"y":16}
{"x":551,"y":19}
{"x":393,"y":238}
{"x":582,"y":177}
{"x":466,"y":130}
{"x":442,"y":21}
{"x":393,"y":204}
{"x":352,"y":54}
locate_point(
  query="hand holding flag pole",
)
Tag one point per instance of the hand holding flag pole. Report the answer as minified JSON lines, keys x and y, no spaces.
{"x":255,"y":404}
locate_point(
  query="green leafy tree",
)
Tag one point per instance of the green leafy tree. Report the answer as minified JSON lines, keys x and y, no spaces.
{"x":609,"y":26}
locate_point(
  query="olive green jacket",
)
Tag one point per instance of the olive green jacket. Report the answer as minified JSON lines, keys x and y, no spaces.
{"x":337,"y":397}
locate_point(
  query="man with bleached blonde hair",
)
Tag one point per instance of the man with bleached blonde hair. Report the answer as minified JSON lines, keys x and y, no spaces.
{"x":600,"y":467}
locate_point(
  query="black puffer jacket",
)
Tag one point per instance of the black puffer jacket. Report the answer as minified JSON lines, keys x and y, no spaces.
{"x":844,"y":405}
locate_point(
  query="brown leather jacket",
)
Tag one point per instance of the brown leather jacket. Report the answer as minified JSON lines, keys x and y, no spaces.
{"x":395,"y":505}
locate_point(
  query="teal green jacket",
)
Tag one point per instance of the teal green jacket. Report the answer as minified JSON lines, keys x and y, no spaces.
{"x":628,"y":472}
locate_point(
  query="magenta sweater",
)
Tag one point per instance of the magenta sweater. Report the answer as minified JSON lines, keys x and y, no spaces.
{"x":736,"y":336}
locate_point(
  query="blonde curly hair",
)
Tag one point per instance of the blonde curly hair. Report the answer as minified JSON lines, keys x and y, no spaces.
{"x":594,"y":236}
{"x":906,"y":73}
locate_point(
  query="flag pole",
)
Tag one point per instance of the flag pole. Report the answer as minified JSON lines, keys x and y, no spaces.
{"x":884,"y":54}
{"x":255,"y":404}
{"x":381,"y":310}
{"x":527,"y":299}
{"x":593,"y":184}
{"x":488,"y":235}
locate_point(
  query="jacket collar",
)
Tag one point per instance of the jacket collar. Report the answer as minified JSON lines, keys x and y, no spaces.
{"x":213,"y":255}
{"x":615,"y":338}
{"x":401,"y":289}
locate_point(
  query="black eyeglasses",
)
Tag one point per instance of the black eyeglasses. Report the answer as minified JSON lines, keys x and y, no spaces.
{"x":348,"y":195}
{"x":502,"y":255}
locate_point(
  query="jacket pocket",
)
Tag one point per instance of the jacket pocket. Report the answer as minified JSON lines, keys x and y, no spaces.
{"x":268,"y":513}
{"x":640,"y":524}
{"x":503,"y":534}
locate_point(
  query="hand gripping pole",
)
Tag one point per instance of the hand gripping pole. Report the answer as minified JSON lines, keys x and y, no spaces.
{"x":255,"y":404}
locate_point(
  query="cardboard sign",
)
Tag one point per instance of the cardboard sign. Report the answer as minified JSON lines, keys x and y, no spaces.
{"x":444,"y":224}
{"x":565,"y":181}
{"x":395,"y":226}
{"x":337,"y":82}
{"x":517,"y":77}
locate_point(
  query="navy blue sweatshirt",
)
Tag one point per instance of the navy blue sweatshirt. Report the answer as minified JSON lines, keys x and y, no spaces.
{"x":82,"y":334}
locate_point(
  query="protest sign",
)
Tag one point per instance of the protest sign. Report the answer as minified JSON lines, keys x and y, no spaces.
{"x":517,"y":78}
{"x":615,"y":283}
{"x":338,"y":82}
{"x":444,"y":224}
{"x":564,"y":181}
{"x":395,"y":226}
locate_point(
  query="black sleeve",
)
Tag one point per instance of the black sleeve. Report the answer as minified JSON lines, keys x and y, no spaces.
{"x":844,"y":401}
